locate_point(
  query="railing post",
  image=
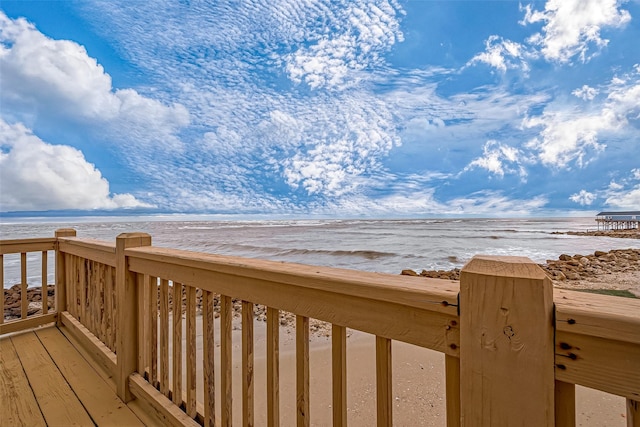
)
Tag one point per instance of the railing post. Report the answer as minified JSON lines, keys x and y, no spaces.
{"x":61,"y":268}
{"x":506,"y":343}
{"x":127,"y":312}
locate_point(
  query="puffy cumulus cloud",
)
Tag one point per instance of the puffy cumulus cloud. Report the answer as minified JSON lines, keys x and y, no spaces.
{"x":568,"y":137}
{"x":40,"y":176}
{"x":583,"y":198}
{"x":361,"y":33}
{"x":502,"y":54}
{"x":586,"y":93}
{"x":497,"y":159}
{"x":624,"y":193}
{"x":42,"y":76}
{"x":571,"y":135}
{"x":629,"y":199}
{"x":573,"y":27}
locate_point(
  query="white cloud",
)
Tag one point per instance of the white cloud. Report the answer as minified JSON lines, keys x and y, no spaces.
{"x":586,"y":93}
{"x":584,"y":198}
{"x":42,"y":76}
{"x":629,"y":199}
{"x":502,"y":54}
{"x":363,"y":31}
{"x":570,"y":135}
{"x":496,"y":204}
{"x":567,"y":138}
{"x":40,"y":176}
{"x":572,"y":27}
{"x":636,"y":174}
{"x":496,"y":159}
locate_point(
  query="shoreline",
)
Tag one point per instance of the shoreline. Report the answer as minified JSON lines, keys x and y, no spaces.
{"x":616,"y":272}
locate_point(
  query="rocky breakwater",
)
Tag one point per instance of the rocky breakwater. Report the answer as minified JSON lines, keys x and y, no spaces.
{"x":615,"y":269}
{"x":581,"y":267}
{"x":12,"y":301}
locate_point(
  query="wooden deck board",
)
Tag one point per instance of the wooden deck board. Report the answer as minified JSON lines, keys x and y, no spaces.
{"x":58,"y":403}
{"x":45,"y":380}
{"x":104,"y":407}
{"x":18,"y":404}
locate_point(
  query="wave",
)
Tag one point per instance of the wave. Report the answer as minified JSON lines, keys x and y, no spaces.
{"x":276,"y":252}
{"x":367,"y":254}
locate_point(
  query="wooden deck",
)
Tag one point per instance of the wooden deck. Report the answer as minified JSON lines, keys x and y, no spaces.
{"x":45,"y":380}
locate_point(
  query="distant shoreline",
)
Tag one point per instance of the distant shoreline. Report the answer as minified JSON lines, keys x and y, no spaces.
{"x":633,"y":233}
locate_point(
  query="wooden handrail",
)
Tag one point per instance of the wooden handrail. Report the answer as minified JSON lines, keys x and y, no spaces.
{"x":592,"y":340}
{"x":16,"y":246}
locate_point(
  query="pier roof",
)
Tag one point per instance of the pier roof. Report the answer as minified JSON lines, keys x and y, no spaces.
{"x":618,"y":213}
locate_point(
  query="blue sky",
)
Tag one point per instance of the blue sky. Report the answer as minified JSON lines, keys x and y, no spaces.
{"x":374,"y":108}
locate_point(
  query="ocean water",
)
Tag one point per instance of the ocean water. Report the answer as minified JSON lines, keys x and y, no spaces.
{"x":362,"y":244}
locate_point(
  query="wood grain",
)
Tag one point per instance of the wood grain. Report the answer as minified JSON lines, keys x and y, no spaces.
{"x":19,"y":406}
{"x":247,"y":365}
{"x":226,"y":360}
{"x":273,"y":367}
{"x":58,"y":403}
{"x":339,"y":374}
{"x":506,"y":343}
{"x":302,"y":372}
{"x":191,"y":352}
{"x":384,"y":382}
{"x":208,"y":363}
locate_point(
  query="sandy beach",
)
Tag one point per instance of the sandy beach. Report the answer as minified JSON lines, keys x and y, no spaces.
{"x":418,"y":389}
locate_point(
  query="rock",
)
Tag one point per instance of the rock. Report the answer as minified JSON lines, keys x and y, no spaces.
{"x":599,"y":253}
{"x":565,"y":257}
{"x":571,"y":275}
{"x":585,"y":261}
{"x":409,"y":273}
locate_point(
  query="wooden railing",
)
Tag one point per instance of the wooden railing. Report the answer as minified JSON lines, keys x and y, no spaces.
{"x":23,"y":248}
{"x":514,"y":348}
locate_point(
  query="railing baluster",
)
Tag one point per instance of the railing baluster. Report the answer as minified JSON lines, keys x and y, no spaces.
{"x":452,"y":378}
{"x":384,"y":385}
{"x":208,"y":365}
{"x":226,"y":359}
{"x":273,"y":367}
{"x":142,"y":324}
{"x":62,"y":290}
{"x":76,"y":281}
{"x":102,"y":321}
{"x":68,"y":279}
{"x":90,"y":297}
{"x":177,"y":344}
{"x":164,"y":337}
{"x":45,"y":288}
{"x":23,"y":285}
{"x":109,"y":309}
{"x":247,"y":364}
{"x":153,"y":330}
{"x":83,"y":290}
{"x":339,"y":369}
{"x":302,"y":371}
{"x":565,"y":404}
{"x":191,"y":351}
